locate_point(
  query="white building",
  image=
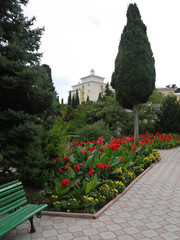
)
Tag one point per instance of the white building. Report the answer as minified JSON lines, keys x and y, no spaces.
{"x":89,"y":86}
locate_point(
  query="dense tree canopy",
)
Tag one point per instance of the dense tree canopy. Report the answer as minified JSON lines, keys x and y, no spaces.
{"x":27,"y":94}
{"x":169,"y":116}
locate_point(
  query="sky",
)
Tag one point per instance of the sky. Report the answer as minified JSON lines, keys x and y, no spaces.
{"x":81,"y":35}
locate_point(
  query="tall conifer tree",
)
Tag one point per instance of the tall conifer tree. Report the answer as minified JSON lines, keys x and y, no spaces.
{"x":77,"y":98}
{"x":26,"y":94}
{"x":134,"y":76}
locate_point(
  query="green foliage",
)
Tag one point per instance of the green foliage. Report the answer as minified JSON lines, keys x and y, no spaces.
{"x":169,"y":115}
{"x":156,"y":97}
{"x":109,"y":112}
{"x":57,"y":139}
{"x":69,"y":99}
{"x":27,"y":93}
{"x":93,"y":132}
{"x":91,"y":174}
{"x":73,"y":103}
{"x":73,"y":100}
{"x":107,"y":92}
{"x":21,"y":143}
{"x":77,"y":98}
{"x":134,"y":76}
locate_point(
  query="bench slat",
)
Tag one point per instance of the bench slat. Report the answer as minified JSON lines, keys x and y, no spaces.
{"x":12,"y":206}
{"x":5,"y":193}
{"x":24,"y":214}
{"x":6,"y":188}
{"x":12,"y":197}
{"x":18,"y":214}
{"x":9,"y":183}
{"x":15,"y":214}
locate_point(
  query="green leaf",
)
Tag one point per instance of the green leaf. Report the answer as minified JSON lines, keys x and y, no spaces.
{"x":92,"y":185}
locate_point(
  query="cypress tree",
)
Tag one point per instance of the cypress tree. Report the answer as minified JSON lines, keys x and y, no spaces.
{"x":107,"y":92}
{"x":77,"y":98}
{"x":99,"y":98}
{"x":69,"y":99}
{"x":73,"y":103}
{"x":134,"y":76}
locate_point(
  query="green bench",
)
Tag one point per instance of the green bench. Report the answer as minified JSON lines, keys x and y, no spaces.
{"x":13,"y":212}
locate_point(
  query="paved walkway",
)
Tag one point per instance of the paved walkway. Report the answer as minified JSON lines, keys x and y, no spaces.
{"x":149,"y":210}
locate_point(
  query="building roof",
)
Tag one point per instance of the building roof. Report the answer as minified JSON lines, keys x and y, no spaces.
{"x":166,"y":88}
{"x":92,"y":74}
{"x":81,"y":84}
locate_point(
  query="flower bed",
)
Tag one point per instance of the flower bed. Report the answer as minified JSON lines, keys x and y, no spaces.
{"x":91,"y":174}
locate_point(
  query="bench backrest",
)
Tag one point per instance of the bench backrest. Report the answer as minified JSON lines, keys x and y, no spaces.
{"x":12,"y":196}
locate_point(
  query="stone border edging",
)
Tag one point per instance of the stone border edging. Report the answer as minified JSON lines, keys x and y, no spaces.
{"x":100,"y":212}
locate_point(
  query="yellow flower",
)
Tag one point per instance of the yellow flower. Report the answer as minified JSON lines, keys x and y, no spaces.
{"x":68,"y":210}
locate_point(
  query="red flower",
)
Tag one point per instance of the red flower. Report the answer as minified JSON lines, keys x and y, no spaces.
{"x":101,"y":149}
{"x":78,"y":183}
{"x":107,"y":166}
{"x":76,"y":168}
{"x":84,"y":150}
{"x":100,"y":140}
{"x":60,"y":170}
{"x":93,"y":148}
{"x":67,"y":171}
{"x":67,"y":165}
{"x":122,"y":159}
{"x":65,"y":182}
{"x":134,"y":149}
{"x":91,"y":172}
{"x":101,"y":166}
{"x":66,"y":159}
{"x":57,"y":159}
{"x":76,"y":143}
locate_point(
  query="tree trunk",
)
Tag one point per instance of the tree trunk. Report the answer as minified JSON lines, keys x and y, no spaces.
{"x":136,"y":120}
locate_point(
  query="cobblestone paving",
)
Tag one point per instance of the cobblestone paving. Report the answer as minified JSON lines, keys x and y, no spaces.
{"x":149,"y":210}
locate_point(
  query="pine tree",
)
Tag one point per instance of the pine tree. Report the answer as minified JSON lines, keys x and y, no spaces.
{"x":134,"y":76}
{"x":25,"y":91}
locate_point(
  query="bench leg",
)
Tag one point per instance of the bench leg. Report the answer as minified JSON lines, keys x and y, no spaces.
{"x":33,"y":230}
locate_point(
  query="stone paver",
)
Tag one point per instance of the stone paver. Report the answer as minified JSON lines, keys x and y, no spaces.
{"x":150,"y":209}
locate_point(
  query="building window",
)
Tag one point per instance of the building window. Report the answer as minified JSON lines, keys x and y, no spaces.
{"x":88,"y":90}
